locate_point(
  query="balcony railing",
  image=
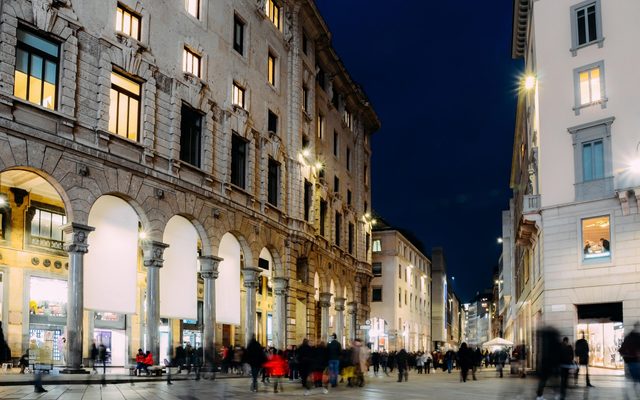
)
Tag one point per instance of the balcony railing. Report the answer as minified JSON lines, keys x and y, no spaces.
{"x":530,"y":203}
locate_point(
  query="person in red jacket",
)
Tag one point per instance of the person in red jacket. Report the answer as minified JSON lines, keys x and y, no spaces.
{"x":276,"y":366}
{"x":140,"y":364}
{"x":148,"y":360}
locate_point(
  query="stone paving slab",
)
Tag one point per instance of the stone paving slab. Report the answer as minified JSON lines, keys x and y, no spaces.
{"x":440,"y":386}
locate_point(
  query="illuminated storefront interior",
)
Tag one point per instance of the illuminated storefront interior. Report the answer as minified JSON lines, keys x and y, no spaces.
{"x":603,"y":328}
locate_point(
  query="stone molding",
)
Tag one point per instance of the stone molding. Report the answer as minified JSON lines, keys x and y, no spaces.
{"x":153,"y":252}
{"x":76,"y":236}
{"x":209,"y":266}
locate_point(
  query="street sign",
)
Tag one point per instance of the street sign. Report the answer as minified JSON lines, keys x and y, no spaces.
{"x":365,"y":327}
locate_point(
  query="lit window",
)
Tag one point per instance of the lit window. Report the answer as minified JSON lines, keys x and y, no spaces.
{"x":377,"y":246}
{"x":590,"y":90}
{"x":271,"y":69}
{"x":36,"y":70}
{"x":124,"y":108}
{"x":238,"y":95}
{"x":596,"y":237}
{"x":193,"y":7}
{"x":46,"y":229}
{"x":592,"y":160}
{"x":320,"y":126}
{"x":191,"y":62}
{"x":127,"y":22}
{"x":272,"y":9}
{"x":347,"y":118}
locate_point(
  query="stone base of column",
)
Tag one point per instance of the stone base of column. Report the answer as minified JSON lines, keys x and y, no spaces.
{"x":74,"y":371}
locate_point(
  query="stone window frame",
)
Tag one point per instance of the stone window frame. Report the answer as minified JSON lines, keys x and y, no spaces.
{"x":373,"y":289}
{"x":574,"y":26}
{"x":601,"y":261}
{"x":576,"y":87}
{"x":589,"y":132}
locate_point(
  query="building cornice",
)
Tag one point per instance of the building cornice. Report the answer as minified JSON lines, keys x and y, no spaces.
{"x":521,"y":11}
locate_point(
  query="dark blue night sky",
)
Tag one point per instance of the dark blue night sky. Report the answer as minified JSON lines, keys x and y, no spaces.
{"x":441,"y":78}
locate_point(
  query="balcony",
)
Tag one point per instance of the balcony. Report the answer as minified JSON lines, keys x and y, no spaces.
{"x":531,"y":203}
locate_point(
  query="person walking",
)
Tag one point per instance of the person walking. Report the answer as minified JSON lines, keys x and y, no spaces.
{"x":420,"y":362}
{"x":375,"y":361}
{"x":255,"y":358}
{"x":334,"y":349}
{"x":582,"y":352}
{"x":305,"y":354}
{"x":93,"y":356}
{"x":428,"y":361}
{"x":549,"y":351}
{"x":465,"y":361}
{"x":630,"y":352}
{"x":401,"y":361}
{"x":566,"y":364}
{"x":102,"y":357}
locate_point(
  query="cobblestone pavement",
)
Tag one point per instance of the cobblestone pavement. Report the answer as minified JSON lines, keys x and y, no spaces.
{"x":440,"y":386}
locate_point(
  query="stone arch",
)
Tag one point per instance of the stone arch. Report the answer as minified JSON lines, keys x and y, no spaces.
{"x":202,"y":232}
{"x":147,"y":226}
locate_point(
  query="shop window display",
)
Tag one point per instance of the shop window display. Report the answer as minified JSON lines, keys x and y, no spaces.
{"x":605,"y":339}
{"x":596,"y":237}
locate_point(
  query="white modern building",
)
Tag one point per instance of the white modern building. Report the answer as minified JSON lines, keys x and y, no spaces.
{"x":401,"y":287}
{"x":572,"y":230}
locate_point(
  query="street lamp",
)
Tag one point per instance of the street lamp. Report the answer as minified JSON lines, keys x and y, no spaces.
{"x":529,"y":82}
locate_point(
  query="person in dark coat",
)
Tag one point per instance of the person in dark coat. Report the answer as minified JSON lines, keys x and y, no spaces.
{"x":630,"y":352}
{"x":305,"y":354}
{"x":333,"y":351}
{"x":465,"y":361}
{"x":402,"y":359}
{"x":549,"y":351}
{"x":566,"y":364}
{"x":582,"y":352}
{"x":255,"y":358}
{"x":375,"y":361}
{"x":93,"y":355}
{"x":5,"y":351}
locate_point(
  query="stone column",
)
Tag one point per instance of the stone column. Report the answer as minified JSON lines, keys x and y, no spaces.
{"x":250,"y":275}
{"x":209,"y":272}
{"x":280,"y":313}
{"x":339,"y":306}
{"x":325,"y":303}
{"x":153,"y":261}
{"x":352,"y":311}
{"x":76,"y":245}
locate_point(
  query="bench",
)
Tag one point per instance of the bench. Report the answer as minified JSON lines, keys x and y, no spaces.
{"x":156,"y":370}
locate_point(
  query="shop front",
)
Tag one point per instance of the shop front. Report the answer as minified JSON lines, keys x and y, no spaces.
{"x":603,"y":327}
{"x":47,"y":317}
{"x":192,"y":330}
{"x":110,"y":329}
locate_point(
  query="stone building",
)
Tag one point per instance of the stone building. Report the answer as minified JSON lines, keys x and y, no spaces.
{"x":570,"y":255}
{"x":447,"y":312}
{"x":401,"y":291}
{"x":174,"y":172}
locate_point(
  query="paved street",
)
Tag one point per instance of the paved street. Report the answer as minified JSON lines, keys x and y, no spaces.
{"x":438,"y":386}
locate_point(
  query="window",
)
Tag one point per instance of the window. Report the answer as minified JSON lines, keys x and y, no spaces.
{"x":589,"y":86}
{"x":305,"y":43}
{"x":238,"y":160}
{"x":36,"y":73}
{"x":348,"y":197}
{"x":273,"y":182}
{"x":335,"y":100}
{"x":305,"y":99}
{"x":596,"y":237}
{"x":320,"y":126}
{"x":367,"y":240}
{"x":347,"y":118}
{"x":124,"y":106}
{"x":376,"y":268}
{"x":366,"y":175}
{"x":399,"y":297}
{"x":271,"y":69}
{"x":320,"y":78}
{"x":336,"y":184}
{"x":377,"y":246}
{"x":348,"y":159}
{"x":305,"y":142}
{"x":193,"y":7}
{"x":586,"y":25}
{"x":308,"y":193}
{"x":376,"y":294}
{"x":238,"y":95}
{"x":405,"y":297}
{"x":366,"y":207}
{"x":338,"y":228}
{"x":272,"y":122}
{"x":272,"y":9}
{"x":190,"y":135}
{"x":127,"y":22}
{"x":45,"y":228}
{"x":399,"y":271}
{"x":592,"y":160}
{"x":335,"y":143}
{"x":323,"y":217}
{"x":350,"y":238}
{"x":238,"y":34}
{"x":191,"y":62}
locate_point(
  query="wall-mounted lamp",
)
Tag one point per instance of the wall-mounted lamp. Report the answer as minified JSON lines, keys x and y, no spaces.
{"x":529,"y":82}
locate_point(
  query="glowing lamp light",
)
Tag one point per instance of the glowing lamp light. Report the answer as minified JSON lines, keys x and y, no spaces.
{"x":306,"y":152}
{"x":318,"y":165}
{"x":3,"y":201}
{"x":142,"y":235}
{"x":500,"y":240}
{"x":529,"y":82}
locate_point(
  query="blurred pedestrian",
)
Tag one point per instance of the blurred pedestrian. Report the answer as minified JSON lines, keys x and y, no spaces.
{"x":93,"y":356}
{"x":566,"y":365}
{"x":549,"y":350}
{"x":333,"y":350}
{"x":401,"y":361}
{"x":582,"y":352}
{"x":255,"y":358}
{"x":630,"y":352}
{"x":465,"y":361}
{"x":305,"y":354}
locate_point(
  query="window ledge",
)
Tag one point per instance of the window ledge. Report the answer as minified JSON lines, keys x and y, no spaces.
{"x":70,"y":121}
{"x":239,"y":189}
{"x":600,"y":262}
{"x":193,"y":79}
{"x":599,"y":42}
{"x":125,"y":39}
{"x":306,"y":115}
{"x":188,"y":165}
{"x":602,"y":102}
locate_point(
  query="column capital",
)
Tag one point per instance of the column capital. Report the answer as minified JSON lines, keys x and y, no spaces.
{"x":250,"y":276}
{"x":153,"y":252}
{"x":209,"y":266}
{"x":352,"y":307}
{"x":339,"y":303}
{"x":325,"y":299}
{"x":280,"y":286}
{"x":76,"y":237}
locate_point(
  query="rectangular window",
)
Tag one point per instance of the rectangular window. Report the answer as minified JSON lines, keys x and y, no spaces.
{"x":335,"y":143}
{"x":366,"y":207}
{"x":376,"y":268}
{"x":238,"y":160}
{"x":323,"y":217}
{"x":191,"y":62}
{"x":272,"y":9}
{"x":305,"y":43}
{"x":405,"y":297}
{"x":272,"y":122}
{"x":366,"y":175}
{"x":335,"y":100}
{"x":238,"y":34}
{"x":377,"y":246}
{"x":596,"y":236}
{"x":238,"y":95}
{"x":592,"y":160}
{"x":273,"y":192}
{"x":348,"y":197}
{"x":348,"y":159}
{"x":338,"y":228}
{"x":336,"y":184}
{"x":193,"y":7}
{"x":367,"y":243}
{"x":376,"y":294}
{"x":399,"y":271}
{"x":586,"y":25}
{"x":36,"y":72}
{"x":320,"y":126}
{"x":127,"y":22}
{"x":347,"y":118}
{"x":320,"y":78}
{"x":308,"y":198}
{"x":46,"y":229}
{"x":271,"y":69}
{"x":590,"y":88}
{"x":190,"y":135}
{"x":350,"y":238}
{"x":124,"y":107}
{"x":399,"y":298}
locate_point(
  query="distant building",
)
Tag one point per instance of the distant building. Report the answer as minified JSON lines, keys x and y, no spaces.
{"x":479,"y":328}
{"x":446,"y":309}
